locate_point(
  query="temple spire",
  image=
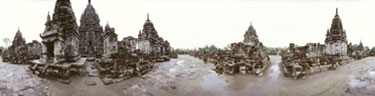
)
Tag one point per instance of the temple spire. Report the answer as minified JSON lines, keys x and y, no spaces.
{"x":148,"y":17}
{"x":48,"y":17}
{"x":107,"y":25}
{"x":89,"y":2}
{"x":337,"y":12}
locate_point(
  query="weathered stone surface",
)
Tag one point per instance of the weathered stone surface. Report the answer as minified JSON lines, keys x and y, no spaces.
{"x":129,"y":43}
{"x":91,"y":33}
{"x":34,"y":49}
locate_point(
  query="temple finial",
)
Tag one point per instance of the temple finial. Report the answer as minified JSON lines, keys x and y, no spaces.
{"x":89,"y":2}
{"x":48,"y":16}
{"x":337,"y":13}
{"x":107,"y":24}
{"x":251,"y":23}
{"x":18,"y":29}
{"x":148,"y":17}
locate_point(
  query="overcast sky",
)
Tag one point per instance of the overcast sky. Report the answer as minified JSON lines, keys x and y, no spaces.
{"x":196,"y":23}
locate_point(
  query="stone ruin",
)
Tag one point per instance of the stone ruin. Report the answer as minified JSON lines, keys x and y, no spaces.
{"x":122,"y":58}
{"x":304,"y":60}
{"x":357,"y":52}
{"x":312,"y":58}
{"x":129,"y":44}
{"x":247,"y":57}
{"x":110,"y":45}
{"x":63,"y":44}
{"x":21,"y":52}
{"x":34,"y":49}
{"x":372,"y":52}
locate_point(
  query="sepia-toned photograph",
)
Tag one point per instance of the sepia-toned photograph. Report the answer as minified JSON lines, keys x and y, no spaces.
{"x":187,"y":48}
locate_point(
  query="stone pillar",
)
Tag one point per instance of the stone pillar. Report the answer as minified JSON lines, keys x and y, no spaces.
{"x":43,"y":58}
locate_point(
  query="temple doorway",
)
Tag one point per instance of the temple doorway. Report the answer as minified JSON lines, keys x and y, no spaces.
{"x":50,"y":50}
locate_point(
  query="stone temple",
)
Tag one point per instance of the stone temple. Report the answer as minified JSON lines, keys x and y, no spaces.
{"x":149,"y":41}
{"x":91,"y":33}
{"x":336,"y":42}
{"x":110,"y":41}
{"x":251,"y":37}
{"x":60,"y":39}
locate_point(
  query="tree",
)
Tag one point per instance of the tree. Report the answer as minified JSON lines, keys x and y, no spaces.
{"x":6,"y":41}
{"x":2,"y":48}
{"x":213,"y":47}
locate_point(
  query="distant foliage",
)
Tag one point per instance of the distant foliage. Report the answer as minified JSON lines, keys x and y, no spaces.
{"x":2,"y":49}
{"x":211,"y":47}
{"x":6,"y":41}
{"x":272,"y":48}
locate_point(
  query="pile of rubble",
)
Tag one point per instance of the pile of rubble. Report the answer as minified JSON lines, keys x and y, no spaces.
{"x":243,"y":59}
{"x":20,"y":52}
{"x":122,"y":66}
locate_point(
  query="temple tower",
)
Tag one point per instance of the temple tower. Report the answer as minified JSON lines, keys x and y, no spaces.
{"x":336,"y":42}
{"x":91,"y":33}
{"x":251,"y":37}
{"x":60,"y":39}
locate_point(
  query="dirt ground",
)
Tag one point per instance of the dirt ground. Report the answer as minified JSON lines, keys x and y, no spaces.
{"x":189,"y":76}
